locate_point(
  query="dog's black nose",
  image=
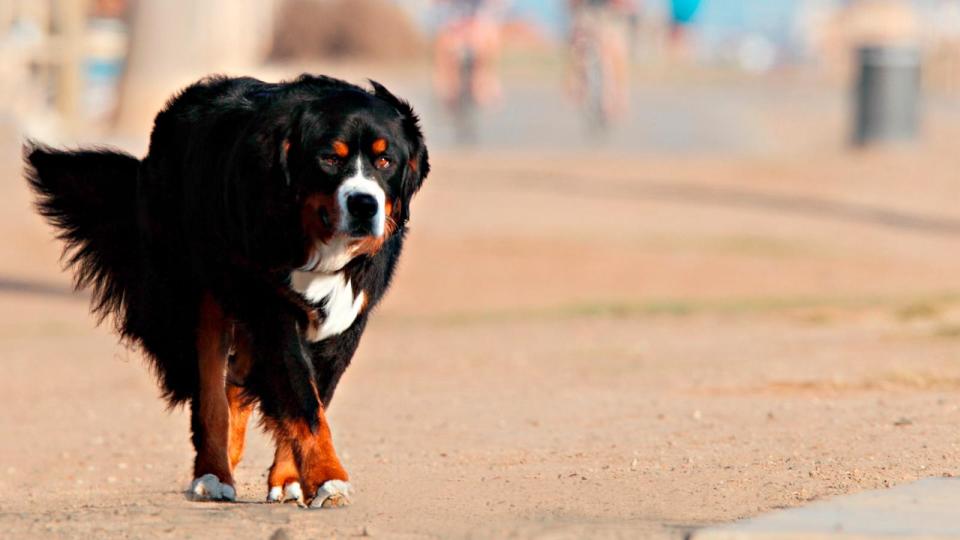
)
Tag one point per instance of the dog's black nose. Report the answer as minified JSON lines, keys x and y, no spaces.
{"x":362,"y":205}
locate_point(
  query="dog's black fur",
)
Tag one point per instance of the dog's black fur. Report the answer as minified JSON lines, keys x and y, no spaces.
{"x":216,"y":207}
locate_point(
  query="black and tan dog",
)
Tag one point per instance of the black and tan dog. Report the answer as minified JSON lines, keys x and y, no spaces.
{"x":192,"y":251}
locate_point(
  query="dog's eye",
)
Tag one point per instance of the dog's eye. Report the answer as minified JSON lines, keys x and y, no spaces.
{"x":382,"y":163}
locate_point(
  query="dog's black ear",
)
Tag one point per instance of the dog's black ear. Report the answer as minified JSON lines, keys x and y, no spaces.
{"x":419,"y":165}
{"x":284,"y":142}
{"x":268,"y":153}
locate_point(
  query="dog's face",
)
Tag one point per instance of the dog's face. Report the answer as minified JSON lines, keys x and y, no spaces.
{"x":355,"y":160}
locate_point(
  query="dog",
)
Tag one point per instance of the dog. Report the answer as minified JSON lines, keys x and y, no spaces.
{"x":193,"y":249}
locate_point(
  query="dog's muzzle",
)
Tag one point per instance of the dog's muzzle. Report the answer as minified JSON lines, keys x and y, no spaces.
{"x":363,"y":215}
{"x":362,"y":205}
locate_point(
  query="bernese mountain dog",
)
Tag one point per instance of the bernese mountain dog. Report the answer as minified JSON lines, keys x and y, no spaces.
{"x":244,"y":254}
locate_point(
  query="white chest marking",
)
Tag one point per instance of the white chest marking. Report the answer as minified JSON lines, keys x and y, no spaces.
{"x":331,"y":256}
{"x":335,"y":295}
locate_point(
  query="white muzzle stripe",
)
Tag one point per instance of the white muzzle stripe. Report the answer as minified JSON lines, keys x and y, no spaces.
{"x":359,"y":183}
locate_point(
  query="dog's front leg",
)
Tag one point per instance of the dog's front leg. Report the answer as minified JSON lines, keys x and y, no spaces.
{"x":283,"y":482}
{"x":305,"y":444}
{"x":285,"y":385}
{"x":308,"y":453}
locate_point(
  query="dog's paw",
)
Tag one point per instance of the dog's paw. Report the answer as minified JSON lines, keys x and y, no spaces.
{"x":291,"y":492}
{"x":209,"y":488}
{"x":332,"y":494}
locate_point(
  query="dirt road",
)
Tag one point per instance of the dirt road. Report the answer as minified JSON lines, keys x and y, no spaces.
{"x":574,"y":346}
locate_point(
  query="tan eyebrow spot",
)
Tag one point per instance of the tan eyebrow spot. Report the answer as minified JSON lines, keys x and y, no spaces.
{"x":341,"y":149}
{"x":379,"y":146}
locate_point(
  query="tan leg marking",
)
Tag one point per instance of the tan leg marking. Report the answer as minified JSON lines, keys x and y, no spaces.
{"x":240,"y":408}
{"x":239,"y":416}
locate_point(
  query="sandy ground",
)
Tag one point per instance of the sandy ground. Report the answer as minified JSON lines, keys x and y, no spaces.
{"x":577,"y":344}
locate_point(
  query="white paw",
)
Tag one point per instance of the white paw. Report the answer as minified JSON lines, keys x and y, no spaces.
{"x":290,"y":493}
{"x":332,"y":494}
{"x":209,"y":488}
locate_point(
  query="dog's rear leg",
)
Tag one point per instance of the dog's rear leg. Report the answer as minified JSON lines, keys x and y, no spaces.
{"x":240,"y":404}
{"x":240,"y":410}
{"x":210,"y":411}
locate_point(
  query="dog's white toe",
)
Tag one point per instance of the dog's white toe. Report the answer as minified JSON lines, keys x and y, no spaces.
{"x":291,"y":492}
{"x":332,"y":494}
{"x":209,"y":488}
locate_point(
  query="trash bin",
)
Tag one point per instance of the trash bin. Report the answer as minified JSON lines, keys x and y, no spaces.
{"x":887,"y":100}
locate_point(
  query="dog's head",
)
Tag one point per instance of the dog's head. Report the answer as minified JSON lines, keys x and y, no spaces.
{"x":355,"y":160}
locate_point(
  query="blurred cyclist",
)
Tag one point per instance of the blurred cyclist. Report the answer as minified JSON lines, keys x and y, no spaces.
{"x":467,"y":49}
{"x":600,"y":57}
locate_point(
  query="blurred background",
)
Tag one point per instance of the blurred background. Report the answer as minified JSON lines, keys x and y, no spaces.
{"x":702,"y":249}
{"x":650,"y":75}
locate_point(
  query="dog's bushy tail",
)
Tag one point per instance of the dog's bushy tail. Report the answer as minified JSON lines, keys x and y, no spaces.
{"x":91,"y":197}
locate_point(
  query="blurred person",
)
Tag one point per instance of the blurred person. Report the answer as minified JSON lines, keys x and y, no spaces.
{"x":599,"y":39}
{"x":109,"y":9}
{"x":682,"y":13}
{"x":465,"y":56}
